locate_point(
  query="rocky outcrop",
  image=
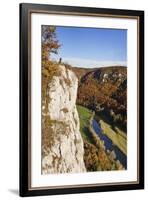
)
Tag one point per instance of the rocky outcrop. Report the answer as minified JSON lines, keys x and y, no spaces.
{"x":62,"y":144}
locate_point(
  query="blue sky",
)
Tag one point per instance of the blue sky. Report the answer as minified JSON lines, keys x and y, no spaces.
{"x":92,"y":47}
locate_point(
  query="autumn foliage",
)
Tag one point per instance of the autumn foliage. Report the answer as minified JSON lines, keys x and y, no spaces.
{"x":50,"y":44}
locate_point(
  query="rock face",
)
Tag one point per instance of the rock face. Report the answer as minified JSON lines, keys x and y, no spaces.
{"x":62,"y":146}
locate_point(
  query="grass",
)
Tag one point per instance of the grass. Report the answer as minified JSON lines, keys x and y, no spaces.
{"x":95,"y":157}
{"x":84,"y":116}
{"x":118,"y":138}
{"x":84,"y":113}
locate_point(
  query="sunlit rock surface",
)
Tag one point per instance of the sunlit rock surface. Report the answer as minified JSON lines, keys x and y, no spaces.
{"x":63,"y":150}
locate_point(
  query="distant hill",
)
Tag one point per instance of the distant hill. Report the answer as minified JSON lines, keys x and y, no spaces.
{"x":104,"y":89}
{"x":80,"y":72}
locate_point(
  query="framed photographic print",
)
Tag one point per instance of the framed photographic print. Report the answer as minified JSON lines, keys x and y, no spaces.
{"x":81,"y":99}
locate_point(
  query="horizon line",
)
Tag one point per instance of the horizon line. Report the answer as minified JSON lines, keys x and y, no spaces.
{"x":89,"y":63}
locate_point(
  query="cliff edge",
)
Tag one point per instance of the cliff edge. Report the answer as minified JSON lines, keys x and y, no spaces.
{"x":62,"y":144}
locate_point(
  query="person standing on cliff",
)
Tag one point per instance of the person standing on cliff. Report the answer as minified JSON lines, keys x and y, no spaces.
{"x":60,"y":60}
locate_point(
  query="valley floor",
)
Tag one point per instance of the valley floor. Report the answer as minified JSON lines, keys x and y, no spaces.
{"x":112,"y":141}
{"x":118,"y":138}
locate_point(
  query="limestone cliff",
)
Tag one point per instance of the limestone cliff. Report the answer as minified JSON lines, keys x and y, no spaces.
{"x":62,"y":144}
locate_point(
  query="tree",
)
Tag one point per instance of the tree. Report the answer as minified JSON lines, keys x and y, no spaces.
{"x":50,"y":44}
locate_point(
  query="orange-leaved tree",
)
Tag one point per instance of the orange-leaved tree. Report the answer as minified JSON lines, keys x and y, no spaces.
{"x":50,"y":44}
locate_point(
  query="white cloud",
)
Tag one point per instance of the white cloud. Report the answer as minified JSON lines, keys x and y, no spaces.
{"x":87,"y":63}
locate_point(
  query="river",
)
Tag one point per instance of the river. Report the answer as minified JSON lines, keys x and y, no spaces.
{"x":109,"y":145}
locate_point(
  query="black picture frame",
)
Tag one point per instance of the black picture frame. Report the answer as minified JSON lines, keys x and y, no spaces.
{"x":25,"y":102}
